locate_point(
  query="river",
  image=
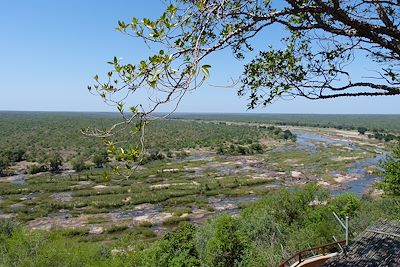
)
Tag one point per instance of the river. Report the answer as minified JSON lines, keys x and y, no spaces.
{"x":307,"y":140}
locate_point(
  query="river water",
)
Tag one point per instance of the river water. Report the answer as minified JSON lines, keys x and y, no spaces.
{"x":307,"y":140}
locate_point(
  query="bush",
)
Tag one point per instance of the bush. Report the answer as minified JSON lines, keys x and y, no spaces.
{"x":55,"y":161}
{"x":100,"y":158}
{"x":176,"y":248}
{"x":7,"y":228}
{"x":145,"y":224}
{"x":362,"y":130}
{"x":345,"y":205}
{"x":116,"y":228}
{"x":391,"y":172}
{"x":78,"y":164}
{"x":257,"y":147}
{"x":35,"y":168}
{"x":20,"y":247}
{"x":242,"y":150}
{"x":175,"y":220}
{"x":221,"y":243}
{"x":289,"y":135}
{"x":15,"y":155}
{"x":4,"y":163}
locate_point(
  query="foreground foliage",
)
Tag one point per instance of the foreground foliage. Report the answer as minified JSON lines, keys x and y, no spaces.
{"x":273,"y":228}
{"x":391,"y":172}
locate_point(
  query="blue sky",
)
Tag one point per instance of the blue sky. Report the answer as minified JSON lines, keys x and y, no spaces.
{"x":50,"y":50}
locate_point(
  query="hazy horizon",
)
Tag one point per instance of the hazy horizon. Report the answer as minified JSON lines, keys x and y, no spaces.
{"x":197,"y":112}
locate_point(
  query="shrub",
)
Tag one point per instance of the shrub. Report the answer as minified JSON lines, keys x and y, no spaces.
{"x":15,"y":155}
{"x":345,"y":205}
{"x":74,"y":232}
{"x":78,"y":164}
{"x":55,"y":161}
{"x":100,"y":158}
{"x":257,"y":147}
{"x":391,"y":172}
{"x":7,"y":228}
{"x":116,"y":228}
{"x":221,"y":243}
{"x":242,"y":150}
{"x":4,"y":163}
{"x":175,"y":220}
{"x":176,"y":248}
{"x":35,"y":168}
{"x":145,"y":224}
{"x":158,"y":155}
{"x":362,"y":130}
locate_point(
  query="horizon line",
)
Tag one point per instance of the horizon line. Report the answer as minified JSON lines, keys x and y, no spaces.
{"x":198,"y":113}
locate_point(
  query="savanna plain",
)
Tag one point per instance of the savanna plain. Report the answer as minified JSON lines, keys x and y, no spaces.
{"x":211,"y":190}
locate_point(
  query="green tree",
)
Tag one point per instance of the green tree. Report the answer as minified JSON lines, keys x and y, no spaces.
{"x":100,"y":158}
{"x":362,"y":130}
{"x":15,"y":155}
{"x":221,"y":242}
{"x":55,"y":161}
{"x":36,"y":168}
{"x":391,"y":172}
{"x":4,"y":163}
{"x":78,"y":164}
{"x":176,"y":249}
{"x":345,"y":205}
{"x":257,"y":147}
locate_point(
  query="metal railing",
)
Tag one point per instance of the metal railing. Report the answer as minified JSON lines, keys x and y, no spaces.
{"x":306,"y":253}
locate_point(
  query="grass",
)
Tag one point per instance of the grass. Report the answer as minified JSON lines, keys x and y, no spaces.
{"x":145,"y":224}
{"x":175,"y":220}
{"x":77,"y":232}
{"x":116,"y":229}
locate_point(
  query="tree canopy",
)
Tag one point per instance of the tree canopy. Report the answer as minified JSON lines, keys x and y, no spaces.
{"x":4,"y":163}
{"x":391,"y":172}
{"x":323,"y":42}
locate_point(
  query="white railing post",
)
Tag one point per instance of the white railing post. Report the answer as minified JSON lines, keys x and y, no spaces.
{"x":345,"y":226}
{"x":347,"y":230}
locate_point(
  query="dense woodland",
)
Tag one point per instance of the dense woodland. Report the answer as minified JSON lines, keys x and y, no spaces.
{"x":381,"y":127}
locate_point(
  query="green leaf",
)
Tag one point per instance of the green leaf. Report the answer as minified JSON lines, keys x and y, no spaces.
{"x":134,"y":110}
{"x":134,"y":23}
{"x":137,"y":127}
{"x":205,"y":70}
{"x":153,"y":83}
{"x":120,"y":106}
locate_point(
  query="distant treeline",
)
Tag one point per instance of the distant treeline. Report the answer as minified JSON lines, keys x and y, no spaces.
{"x":382,"y":127}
